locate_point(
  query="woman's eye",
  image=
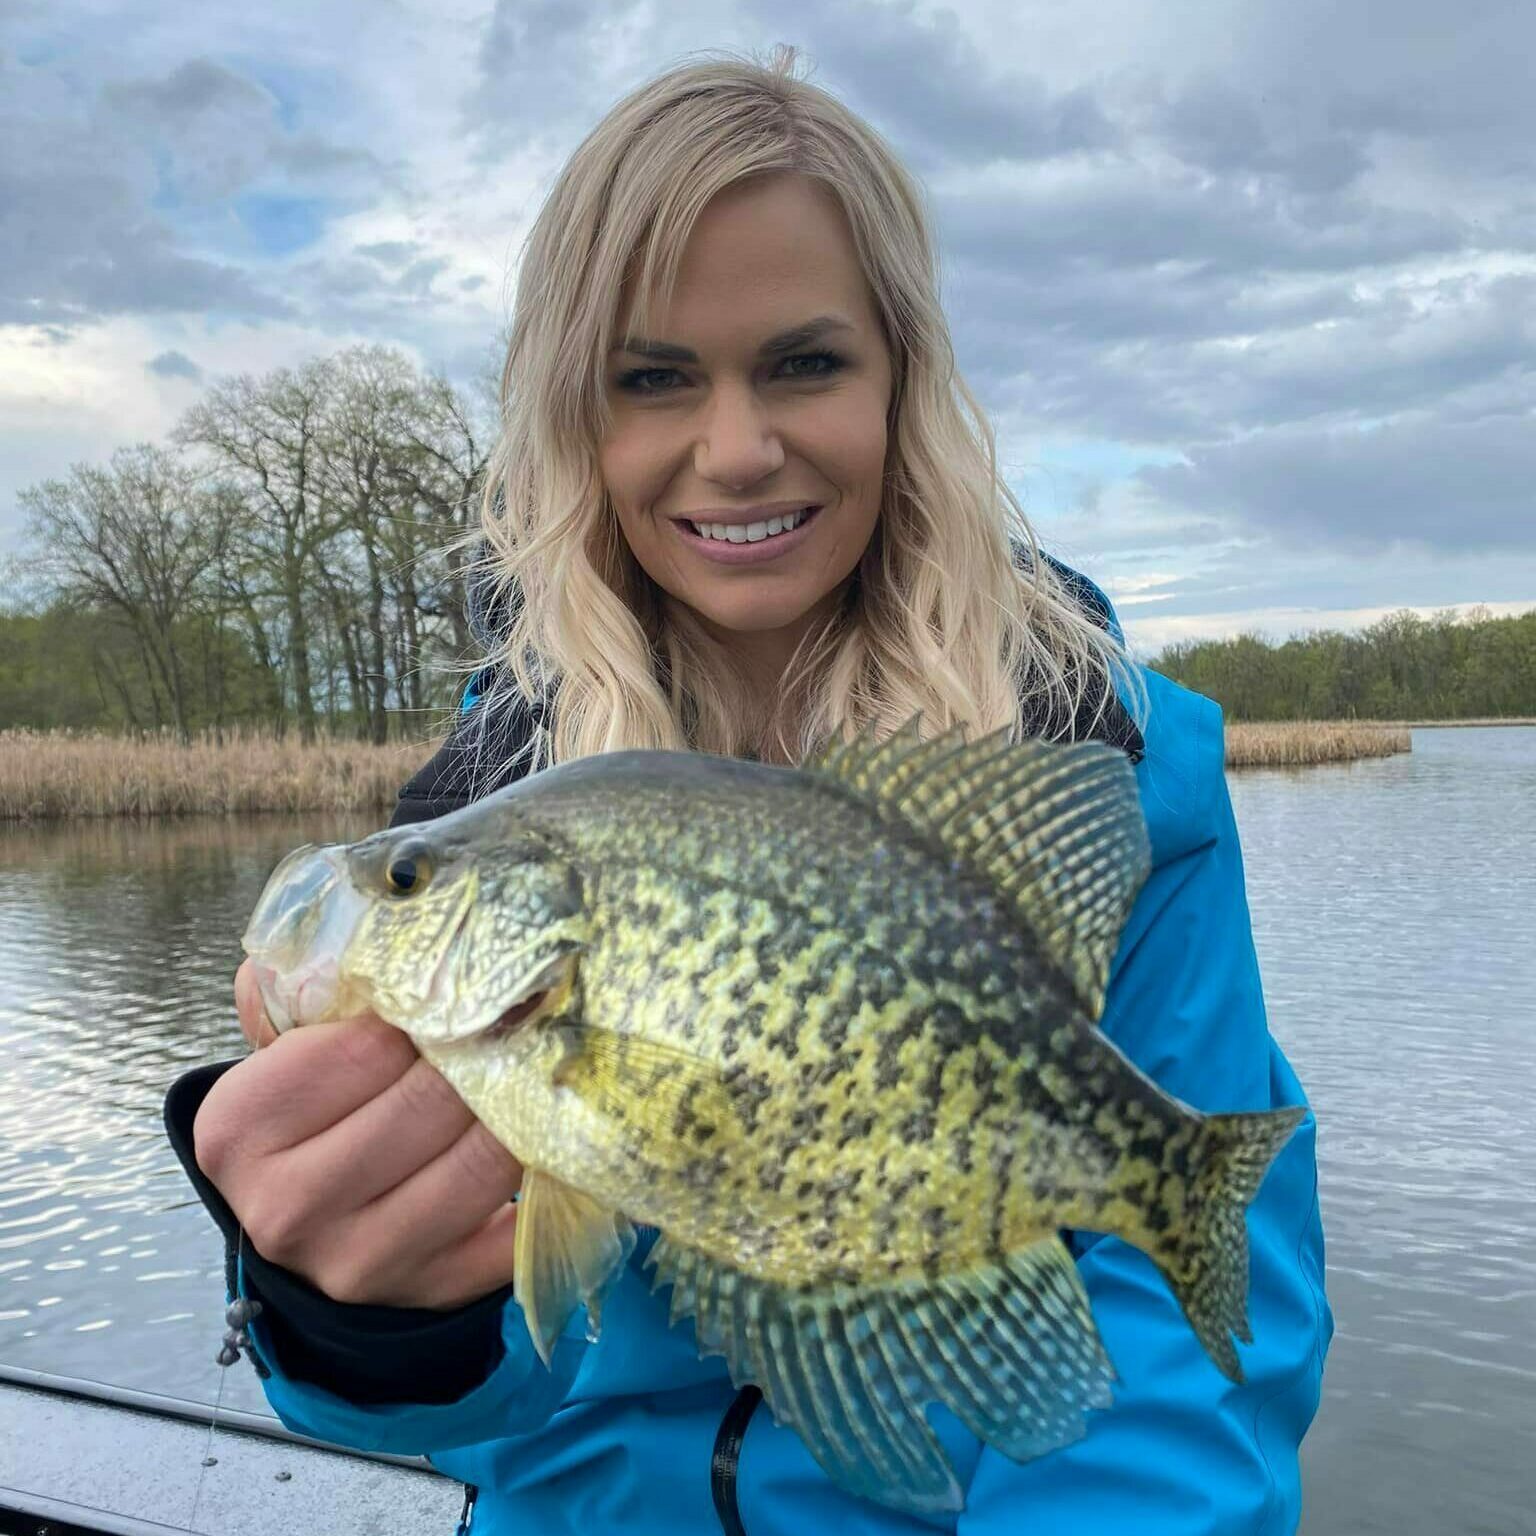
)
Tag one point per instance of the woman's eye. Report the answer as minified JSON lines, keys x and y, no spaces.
{"x":635,"y":381}
{"x":831,"y":359}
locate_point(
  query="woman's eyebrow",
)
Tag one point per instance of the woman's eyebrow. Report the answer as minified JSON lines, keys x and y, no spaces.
{"x":785,"y":341}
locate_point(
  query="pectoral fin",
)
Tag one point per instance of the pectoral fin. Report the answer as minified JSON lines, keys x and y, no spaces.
{"x":570,"y":1249}
{"x":658,"y":1091}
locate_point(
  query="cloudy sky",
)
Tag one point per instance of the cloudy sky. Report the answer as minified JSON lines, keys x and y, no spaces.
{"x":1249,"y":289}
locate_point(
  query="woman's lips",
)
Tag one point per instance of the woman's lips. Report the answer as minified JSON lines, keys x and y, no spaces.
{"x":724,"y":553}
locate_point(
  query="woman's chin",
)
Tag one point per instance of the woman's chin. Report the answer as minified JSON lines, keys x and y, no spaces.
{"x":734,"y":619}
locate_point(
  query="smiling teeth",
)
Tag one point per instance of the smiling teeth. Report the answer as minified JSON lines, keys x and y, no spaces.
{"x":752,"y":533}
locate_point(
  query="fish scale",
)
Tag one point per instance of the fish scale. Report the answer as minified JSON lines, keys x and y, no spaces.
{"x":832,"y":1030}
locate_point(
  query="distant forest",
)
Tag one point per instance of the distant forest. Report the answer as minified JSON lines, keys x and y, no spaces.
{"x":287,"y":560}
{"x":1403,"y":667}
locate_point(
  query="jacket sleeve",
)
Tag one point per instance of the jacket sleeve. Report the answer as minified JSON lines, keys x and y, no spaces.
{"x":1182,"y":1450}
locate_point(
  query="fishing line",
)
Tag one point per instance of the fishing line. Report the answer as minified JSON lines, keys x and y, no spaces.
{"x":209,"y":1459}
{"x":237,"y":1315}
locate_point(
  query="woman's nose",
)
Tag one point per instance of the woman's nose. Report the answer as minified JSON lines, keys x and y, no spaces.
{"x":740,"y":443}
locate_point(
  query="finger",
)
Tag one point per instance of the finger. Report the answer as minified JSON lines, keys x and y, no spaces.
{"x":254,"y":1024}
{"x":309,"y":1079}
{"x":444,"y":1202}
{"x":483,"y":1262}
{"x":382,"y":1143}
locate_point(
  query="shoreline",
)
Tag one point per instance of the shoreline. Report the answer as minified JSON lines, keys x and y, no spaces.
{"x":1435,"y":725}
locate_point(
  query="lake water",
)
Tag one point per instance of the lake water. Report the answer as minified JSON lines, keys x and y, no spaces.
{"x":1394,"y":907}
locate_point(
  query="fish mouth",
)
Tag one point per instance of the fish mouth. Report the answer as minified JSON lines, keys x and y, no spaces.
{"x":297,"y":935}
{"x":518,"y":1014}
{"x":545,"y":990}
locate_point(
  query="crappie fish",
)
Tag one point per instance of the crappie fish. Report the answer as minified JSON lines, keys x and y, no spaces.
{"x":830,"y":1029}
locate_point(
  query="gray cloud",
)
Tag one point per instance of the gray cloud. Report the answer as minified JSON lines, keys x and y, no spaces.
{"x":211,"y":127}
{"x":546,"y":68}
{"x":1452,"y":486}
{"x":928,"y":81}
{"x":417,"y":278}
{"x":1212,"y":124}
{"x":174,"y":365}
{"x":76,"y":245}
{"x":389,"y":253}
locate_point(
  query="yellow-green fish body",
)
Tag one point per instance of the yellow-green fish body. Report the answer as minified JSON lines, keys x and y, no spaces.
{"x":831,"y":1030}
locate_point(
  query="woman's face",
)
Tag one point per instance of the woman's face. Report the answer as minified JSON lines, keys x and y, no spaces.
{"x":723,"y":424}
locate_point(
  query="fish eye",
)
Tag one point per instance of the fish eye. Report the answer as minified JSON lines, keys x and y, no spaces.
{"x":408,"y":872}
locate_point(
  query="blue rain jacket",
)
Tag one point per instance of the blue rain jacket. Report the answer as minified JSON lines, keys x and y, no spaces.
{"x":618,"y":1436}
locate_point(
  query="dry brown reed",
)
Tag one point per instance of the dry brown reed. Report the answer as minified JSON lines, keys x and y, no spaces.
{"x":57,"y":773}
{"x":1298,"y":743}
{"x":46,"y":774}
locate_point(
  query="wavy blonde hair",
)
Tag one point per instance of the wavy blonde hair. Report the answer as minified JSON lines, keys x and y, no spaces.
{"x":939,"y":617}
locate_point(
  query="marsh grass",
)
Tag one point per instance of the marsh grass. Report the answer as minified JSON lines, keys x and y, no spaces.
{"x":46,"y":774}
{"x":1299,"y":743}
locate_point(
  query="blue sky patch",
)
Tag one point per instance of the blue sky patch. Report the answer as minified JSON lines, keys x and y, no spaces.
{"x":279,"y":224}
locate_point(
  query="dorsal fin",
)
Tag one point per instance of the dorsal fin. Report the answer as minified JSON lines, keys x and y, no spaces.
{"x":1055,"y":827}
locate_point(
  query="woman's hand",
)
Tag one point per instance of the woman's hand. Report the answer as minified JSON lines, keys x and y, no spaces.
{"x":352,"y":1162}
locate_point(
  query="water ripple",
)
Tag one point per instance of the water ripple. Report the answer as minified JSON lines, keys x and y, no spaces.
{"x":117,"y":948}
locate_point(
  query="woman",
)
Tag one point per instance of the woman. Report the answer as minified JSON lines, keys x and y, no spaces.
{"x":738,"y":506}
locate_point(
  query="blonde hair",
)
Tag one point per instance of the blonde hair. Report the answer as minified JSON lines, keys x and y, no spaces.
{"x":938,"y":617}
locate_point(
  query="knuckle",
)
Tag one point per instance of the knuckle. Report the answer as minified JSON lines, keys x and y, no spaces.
{"x":428,"y":1094}
{"x":484,"y":1160}
{"x":279,"y":1229}
{"x":213,"y":1144}
{"x":348,"y":1277}
{"x":369,"y":1047}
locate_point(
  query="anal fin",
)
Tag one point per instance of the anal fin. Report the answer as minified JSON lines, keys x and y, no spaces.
{"x":1010,"y":1349}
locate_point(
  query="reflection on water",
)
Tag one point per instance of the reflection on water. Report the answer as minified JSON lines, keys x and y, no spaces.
{"x":1393,"y":904}
{"x":117,"y":946}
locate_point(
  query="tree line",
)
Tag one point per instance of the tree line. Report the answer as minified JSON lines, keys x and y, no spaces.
{"x":286,"y":559}
{"x":1403,"y":667}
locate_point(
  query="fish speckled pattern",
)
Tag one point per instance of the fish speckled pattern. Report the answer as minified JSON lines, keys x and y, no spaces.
{"x":831,"y":1030}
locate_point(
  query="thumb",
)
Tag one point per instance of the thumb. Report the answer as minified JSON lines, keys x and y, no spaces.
{"x":254,"y":1024}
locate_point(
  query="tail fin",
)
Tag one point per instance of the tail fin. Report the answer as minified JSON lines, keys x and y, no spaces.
{"x":1205,"y":1260}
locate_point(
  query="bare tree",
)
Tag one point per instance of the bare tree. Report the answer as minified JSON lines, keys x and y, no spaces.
{"x":265,"y":436}
{"x":447,"y":446}
{"x":140,"y":539}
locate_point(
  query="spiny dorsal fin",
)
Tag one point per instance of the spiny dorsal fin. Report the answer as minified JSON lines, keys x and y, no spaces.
{"x":1055,"y":827}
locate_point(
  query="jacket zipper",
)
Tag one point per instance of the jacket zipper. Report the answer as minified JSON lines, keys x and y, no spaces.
{"x":723,"y":1464}
{"x":467,"y":1514}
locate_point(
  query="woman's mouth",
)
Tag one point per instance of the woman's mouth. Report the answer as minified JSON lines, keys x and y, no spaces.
{"x":748,"y":543}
